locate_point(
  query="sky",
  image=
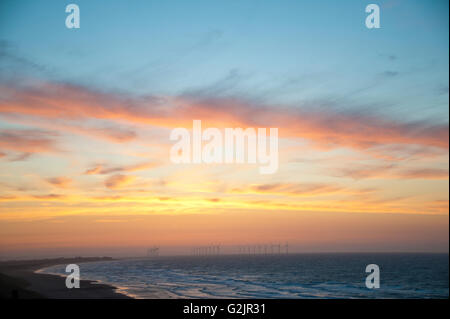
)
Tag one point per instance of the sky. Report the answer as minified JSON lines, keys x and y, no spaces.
{"x":86,"y":115}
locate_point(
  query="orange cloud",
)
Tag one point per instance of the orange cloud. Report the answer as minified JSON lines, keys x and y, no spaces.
{"x":109,"y":132}
{"x":310,"y":189}
{"x":62,"y":182}
{"x":390,"y":172}
{"x":118,"y":181}
{"x":424,"y":173}
{"x":7,"y":197}
{"x":49,"y":196}
{"x":439,"y":205}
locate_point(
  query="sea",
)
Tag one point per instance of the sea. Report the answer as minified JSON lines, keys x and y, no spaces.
{"x":290,"y":276}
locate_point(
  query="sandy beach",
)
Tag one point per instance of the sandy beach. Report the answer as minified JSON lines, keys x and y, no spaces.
{"x":19,"y":280}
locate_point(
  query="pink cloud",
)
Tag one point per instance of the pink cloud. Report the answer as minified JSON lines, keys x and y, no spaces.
{"x":324,"y":128}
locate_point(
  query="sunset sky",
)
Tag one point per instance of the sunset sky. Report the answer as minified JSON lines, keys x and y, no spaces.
{"x":86,"y":114}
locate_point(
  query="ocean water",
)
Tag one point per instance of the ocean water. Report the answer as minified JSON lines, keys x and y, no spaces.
{"x":274,"y":276}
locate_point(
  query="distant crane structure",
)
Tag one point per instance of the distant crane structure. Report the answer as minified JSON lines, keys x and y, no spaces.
{"x":153,"y":252}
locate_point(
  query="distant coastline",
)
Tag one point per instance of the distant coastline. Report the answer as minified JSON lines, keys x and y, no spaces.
{"x":22,"y":279}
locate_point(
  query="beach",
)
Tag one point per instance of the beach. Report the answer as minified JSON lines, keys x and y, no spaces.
{"x":19,"y":280}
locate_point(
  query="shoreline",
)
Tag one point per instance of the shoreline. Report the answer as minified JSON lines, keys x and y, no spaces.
{"x":24,"y":280}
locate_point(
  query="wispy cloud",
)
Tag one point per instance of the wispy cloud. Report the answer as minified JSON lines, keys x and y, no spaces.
{"x":49,"y":196}
{"x":305,"y":189}
{"x":28,"y":141}
{"x":423,"y":173}
{"x":393,"y":172}
{"x":325,"y":128}
{"x":118,"y":181}
{"x":102,"y":170}
{"x":61,"y":182}
{"x":390,"y":73}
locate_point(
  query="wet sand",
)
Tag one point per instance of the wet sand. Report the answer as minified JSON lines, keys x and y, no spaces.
{"x":18,"y":280}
